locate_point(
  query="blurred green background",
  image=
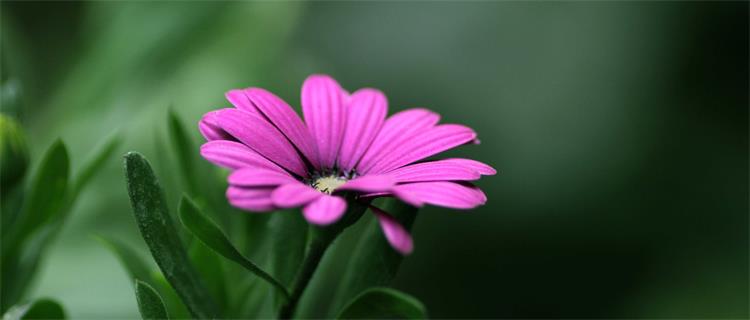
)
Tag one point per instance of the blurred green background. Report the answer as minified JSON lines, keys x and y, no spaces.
{"x":620,"y":130}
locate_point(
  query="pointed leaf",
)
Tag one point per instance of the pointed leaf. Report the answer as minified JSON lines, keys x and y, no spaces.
{"x":95,"y":163}
{"x":289,"y":229}
{"x":150,"y":303}
{"x":45,"y":197}
{"x":129,"y":258}
{"x":209,"y":266}
{"x":383,"y":303}
{"x":157,"y":229}
{"x":39,"y":309}
{"x":184,"y":152}
{"x":374,"y":262}
{"x":137,"y":268}
{"x":209,"y":233}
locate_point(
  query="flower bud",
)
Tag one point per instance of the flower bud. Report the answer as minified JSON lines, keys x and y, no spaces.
{"x":14,"y":153}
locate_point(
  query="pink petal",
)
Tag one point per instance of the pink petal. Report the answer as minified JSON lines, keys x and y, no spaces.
{"x":366,"y":113}
{"x":482,"y":168}
{"x":373,"y":195}
{"x":286,"y":120}
{"x":235,"y":155}
{"x":427,"y":143}
{"x":441,"y":193}
{"x":394,"y":232}
{"x":325,"y":210}
{"x":294,"y":195}
{"x":252,"y":199}
{"x":209,"y":127}
{"x":370,"y":183}
{"x":240,"y":101}
{"x":253,"y":177}
{"x":323,"y":107}
{"x":399,"y":128}
{"x":260,"y":135}
{"x":440,"y":170}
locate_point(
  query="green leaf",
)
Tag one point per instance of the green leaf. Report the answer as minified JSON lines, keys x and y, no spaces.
{"x":374,"y":262}
{"x":184,"y":151}
{"x":289,"y":229}
{"x":22,"y":245}
{"x":95,"y":163}
{"x":209,"y":233}
{"x":149,"y":302}
{"x":129,"y":258}
{"x":209,"y":266}
{"x":137,"y":268}
{"x":158,"y":230}
{"x":45,"y":197}
{"x":383,"y":303}
{"x":39,"y":309}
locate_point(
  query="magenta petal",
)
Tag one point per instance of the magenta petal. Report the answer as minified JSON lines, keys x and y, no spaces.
{"x":440,"y":170}
{"x":240,"y":101}
{"x":324,"y":210}
{"x":294,"y":195}
{"x":252,"y":199}
{"x":235,"y":155}
{"x":286,"y":120}
{"x":441,"y":193}
{"x":370,"y":183}
{"x":366,"y":113}
{"x":427,"y":143}
{"x":253,"y":177}
{"x":209,"y":127}
{"x":260,"y":135}
{"x":397,"y":129}
{"x":482,"y":168}
{"x":394,"y":232}
{"x":323,"y":107}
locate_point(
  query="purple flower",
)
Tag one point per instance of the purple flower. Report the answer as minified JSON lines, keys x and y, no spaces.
{"x":345,"y":144}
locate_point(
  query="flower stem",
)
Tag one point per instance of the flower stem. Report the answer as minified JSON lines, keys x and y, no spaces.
{"x":319,"y":242}
{"x":320,"y":239}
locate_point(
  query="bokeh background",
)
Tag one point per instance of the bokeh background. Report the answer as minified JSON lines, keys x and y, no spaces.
{"x":620,"y":130}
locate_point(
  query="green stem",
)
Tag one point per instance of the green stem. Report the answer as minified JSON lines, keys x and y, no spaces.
{"x":320,"y":239}
{"x":319,"y":242}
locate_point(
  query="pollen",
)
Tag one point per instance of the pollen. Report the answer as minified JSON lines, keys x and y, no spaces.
{"x":327,"y":184}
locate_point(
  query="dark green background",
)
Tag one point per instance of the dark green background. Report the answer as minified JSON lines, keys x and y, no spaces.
{"x":620,"y":131}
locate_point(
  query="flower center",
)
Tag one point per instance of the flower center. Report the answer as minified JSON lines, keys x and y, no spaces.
{"x":327,"y":184}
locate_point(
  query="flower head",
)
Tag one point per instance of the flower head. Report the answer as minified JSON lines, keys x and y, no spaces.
{"x":345,"y":144}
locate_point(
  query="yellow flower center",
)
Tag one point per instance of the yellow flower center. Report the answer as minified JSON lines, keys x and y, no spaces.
{"x":328,"y":184}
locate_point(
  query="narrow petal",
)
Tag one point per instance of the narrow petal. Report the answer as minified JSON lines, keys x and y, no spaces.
{"x":483,"y":168}
{"x":323,"y":107}
{"x":240,"y":101}
{"x":394,"y":232}
{"x":441,"y":193}
{"x":370,"y":183}
{"x":209,"y":127}
{"x":427,"y":143}
{"x":286,"y":120}
{"x":366,"y":113}
{"x":254,"y":177}
{"x":252,"y":199}
{"x":261,"y":136}
{"x":397,"y":129}
{"x":234,"y":155}
{"x":324,"y":210}
{"x":440,"y":170}
{"x":294,"y":195}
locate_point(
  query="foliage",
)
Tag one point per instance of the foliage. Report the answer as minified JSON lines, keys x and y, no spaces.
{"x":33,"y":215}
{"x":278,"y":291}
